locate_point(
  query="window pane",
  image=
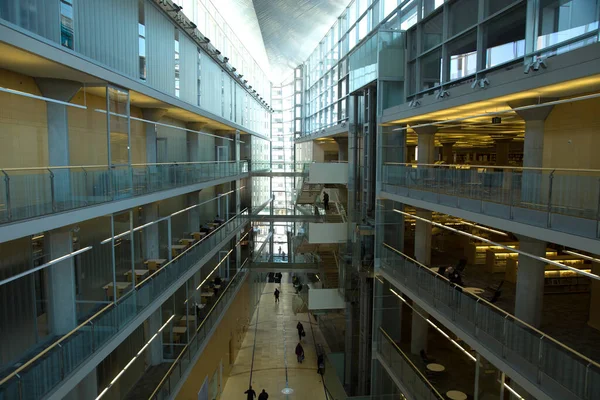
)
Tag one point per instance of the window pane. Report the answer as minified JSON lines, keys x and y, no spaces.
{"x":389,"y":6}
{"x":431,"y":70}
{"x":493,"y":6}
{"x":432,"y":32}
{"x":463,"y":15}
{"x":463,"y":56}
{"x":564,"y":20}
{"x":430,"y":5}
{"x":504,"y":37}
{"x":408,"y":15}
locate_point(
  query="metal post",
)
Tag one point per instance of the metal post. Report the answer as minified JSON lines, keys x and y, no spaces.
{"x":85,"y":183}
{"x":477,"y":361}
{"x":597,"y":212}
{"x":9,"y":209}
{"x":504,"y":336}
{"x":112,"y":251}
{"x":551,"y":180}
{"x":170,"y":256}
{"x":502,"y":380}
{"x":52,"y":189}
{"x":539,"y":374}
{"x":132,"y":250}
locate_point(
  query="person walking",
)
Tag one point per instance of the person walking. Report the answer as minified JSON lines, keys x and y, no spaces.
{"x":263,"y":395}
{"x":299,"y":353}
{"x":251,"y":393}
{"x":320,"y":364}
{"x":301,"y":333}
{"x":276,"y":293}
{"x":326,"y":200}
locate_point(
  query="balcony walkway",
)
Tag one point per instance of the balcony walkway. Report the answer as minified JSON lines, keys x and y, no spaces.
{"x":274,"y":357}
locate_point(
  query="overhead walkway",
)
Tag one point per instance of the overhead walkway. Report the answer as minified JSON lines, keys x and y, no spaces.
{"x":267,"y":358}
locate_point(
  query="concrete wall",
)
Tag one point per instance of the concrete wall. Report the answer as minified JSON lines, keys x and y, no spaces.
{"x":328,"y":173}
{"x":572,"y":140}
{"x":327,"y":232}
{"x":222,"y":347}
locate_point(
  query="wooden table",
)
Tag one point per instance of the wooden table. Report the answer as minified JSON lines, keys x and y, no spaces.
{"x":456,"y":395}
{"x":177,"y":332}
{"x":433,"y":367}
{"x":155,"y":263}
{"x":474,"y":290}
{"x":121,"y":286}
{"x":198,"y":235}
{"x":187,"y":242}
{"x":139,"y":273}
{"x":176,"y":249}
{"x":183,"y":321}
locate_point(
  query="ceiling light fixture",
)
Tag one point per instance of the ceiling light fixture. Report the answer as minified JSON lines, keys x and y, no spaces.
{"x":543,"y":259}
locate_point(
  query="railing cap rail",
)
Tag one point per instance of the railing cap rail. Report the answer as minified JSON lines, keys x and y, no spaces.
{"x":511,"y":167}
{"x":119,"y":165}
{"x":501,"y":311}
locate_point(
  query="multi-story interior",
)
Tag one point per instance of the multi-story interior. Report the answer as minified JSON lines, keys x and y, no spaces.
{"x":417,"y":180}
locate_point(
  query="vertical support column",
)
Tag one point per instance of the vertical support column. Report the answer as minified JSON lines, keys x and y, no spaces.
{"x":193,"y":140}
{"x":194,"y":213}
{"x":150,"y":250}
{"x":154,"y":115}
{"x":502,"y":150}
{"x":58,"y":134}
{"x":533,"y":149}
{"x":447,"y":153}
{"x":426,"y":149}
{"x":530,"y":282}
{"x":60,"y":282}
{"x":238,"y":200}
{"x":342,"y":148}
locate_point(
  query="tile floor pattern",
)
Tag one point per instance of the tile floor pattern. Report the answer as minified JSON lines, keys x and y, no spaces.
{"x":276,"y":340}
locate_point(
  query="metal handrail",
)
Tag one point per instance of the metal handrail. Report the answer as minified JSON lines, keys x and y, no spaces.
{"x":76,"y":329}
{"x":187,"y":250}
{"x":414,"y":367}
{"x":128,"y":165}
{"x":501,"y":311}
{"x":170,"y":370}
{"x":462,"y":166}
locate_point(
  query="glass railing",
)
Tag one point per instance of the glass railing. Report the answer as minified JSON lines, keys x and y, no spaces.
{"x":38,"y":376}
{"x":280,"y":166}
{"x":185,"y":359}
{"x":545,"y":362}
{"x":33,"y":192}
{"x":547,"y":195}
{"x":406,"y":372}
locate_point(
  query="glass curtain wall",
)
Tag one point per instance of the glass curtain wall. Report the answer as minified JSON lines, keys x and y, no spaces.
{"x":444,"y":47}
{"x":326,"y":74}
{"x":212,"y":25}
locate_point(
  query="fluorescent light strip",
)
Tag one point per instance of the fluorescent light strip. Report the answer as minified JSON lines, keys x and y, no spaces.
{"x":543,"y":259}
{"x":139,"y":353}
{"x":48,"y":264}
{"x":573,"y":253}
{"x":213,"y":271}
{"x":513,"y":391}
{"x":437,"y":328}
{"x":120,"y":235}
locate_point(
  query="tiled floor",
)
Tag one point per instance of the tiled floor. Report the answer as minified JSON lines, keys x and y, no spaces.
{"x":275,"y":365}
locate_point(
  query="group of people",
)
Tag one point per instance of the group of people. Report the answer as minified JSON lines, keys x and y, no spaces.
{"x":252,"y":394}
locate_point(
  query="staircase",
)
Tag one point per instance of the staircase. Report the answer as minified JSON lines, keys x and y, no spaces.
{"x":309,"y":193}
{"x":329,"y":269}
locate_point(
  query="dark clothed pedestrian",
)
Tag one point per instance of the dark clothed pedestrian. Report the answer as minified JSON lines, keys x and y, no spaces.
{"x":300,"y":329}
{"x":326,"y":200}
{"x":299,"y":353}
{"x":276,"y":293}
{"x":263,"y":395}
{"x":251,"y":393}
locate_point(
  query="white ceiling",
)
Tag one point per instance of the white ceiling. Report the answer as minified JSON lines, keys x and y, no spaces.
{"x":280,"y":33}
